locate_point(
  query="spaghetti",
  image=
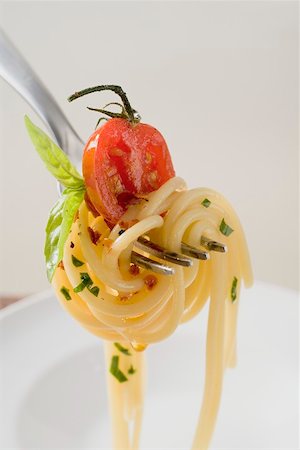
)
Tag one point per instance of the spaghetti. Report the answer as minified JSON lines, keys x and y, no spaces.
{"x":98,"y":285}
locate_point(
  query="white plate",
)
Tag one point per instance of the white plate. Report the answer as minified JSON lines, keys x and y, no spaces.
{"x":53,"y":380}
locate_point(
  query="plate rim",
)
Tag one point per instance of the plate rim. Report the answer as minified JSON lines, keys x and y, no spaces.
{"x":25,"y":302}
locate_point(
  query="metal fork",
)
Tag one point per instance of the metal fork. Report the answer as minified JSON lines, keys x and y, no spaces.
{"x":16,"y":71}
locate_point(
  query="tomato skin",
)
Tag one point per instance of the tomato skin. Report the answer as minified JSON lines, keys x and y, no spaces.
{"x":122,"y":160}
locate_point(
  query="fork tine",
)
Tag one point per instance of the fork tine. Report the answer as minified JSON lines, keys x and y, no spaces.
{"x":183,"y":259}
{"x":194,"y":252}
{"x":162,"y":253}
{"x":149,"y":264}
{"x":213,"y":245}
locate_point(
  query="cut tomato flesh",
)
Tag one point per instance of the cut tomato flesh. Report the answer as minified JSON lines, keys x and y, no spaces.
{"x":121,"y":161}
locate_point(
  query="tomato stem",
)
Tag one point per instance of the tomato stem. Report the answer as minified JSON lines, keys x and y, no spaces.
{"x":131,"y":113}
{"x":108,"y":113}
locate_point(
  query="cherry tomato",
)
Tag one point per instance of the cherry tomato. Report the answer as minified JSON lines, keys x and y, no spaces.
{"x":122,"y":161}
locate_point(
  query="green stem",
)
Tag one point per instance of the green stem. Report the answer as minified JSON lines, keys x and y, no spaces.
{"x":108,"y":87}
{"x":108,"y":113}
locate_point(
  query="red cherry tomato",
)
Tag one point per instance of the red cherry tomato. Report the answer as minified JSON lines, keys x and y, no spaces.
{"x":122,"y":160}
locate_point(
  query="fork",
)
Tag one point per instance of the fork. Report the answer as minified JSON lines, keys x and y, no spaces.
{"x":16,"y":71}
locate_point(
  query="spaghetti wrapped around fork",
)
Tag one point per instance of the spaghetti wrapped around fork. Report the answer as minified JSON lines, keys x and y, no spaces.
{"x":120,"y":303}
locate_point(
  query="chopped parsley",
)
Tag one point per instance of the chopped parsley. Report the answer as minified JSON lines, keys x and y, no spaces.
{"x":131,"y":370}
{"x":115,"y":371}
{"x":86,"y":282}
{"x":206,"y":203}
{"x":225,"y":229}
{"x":94,"y":290}
{"x":233,"y":289}
{"x":122,"y":349}
{"x":66,"y":293}
{"x":76,"y":262}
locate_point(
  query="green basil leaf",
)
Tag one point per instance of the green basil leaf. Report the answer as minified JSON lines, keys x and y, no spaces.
{"x":225,"y":228}
{"x":54,"y":158}
{"x":122,"y":349}
{"x":115,"y":371}
{"x":58,"y":227}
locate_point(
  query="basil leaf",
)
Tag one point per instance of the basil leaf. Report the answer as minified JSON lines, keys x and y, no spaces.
{"x":66,"y":293}
{"x":76,"y":262}
{"x":115,"y":371}
{"x":206,"y":202}
{"x":58,"y":227}
{"x":54,"y":158}
{"x":225,"y":229}
{"x":122,"y":349}
{"x":233,"y":289}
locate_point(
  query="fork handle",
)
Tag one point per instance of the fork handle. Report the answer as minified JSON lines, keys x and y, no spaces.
{"x":17,"y":72}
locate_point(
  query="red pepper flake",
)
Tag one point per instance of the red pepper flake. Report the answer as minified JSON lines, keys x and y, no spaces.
{"x":163,"y":214}
{"x":134,"y":269}
{"x":150,"y":281}
{"x":94,"y":235}
{"x":61,"y":265}
{"x":107,"y":242}
{"x":72,"y":245}
{"x":128,"y":224}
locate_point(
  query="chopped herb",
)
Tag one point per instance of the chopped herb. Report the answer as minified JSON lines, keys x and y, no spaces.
{"x":225,"y":229}
{"x":86,"y":282}
{"x":122,"y":349}
{"x":233,"y":289}
{"x":72,"y":245}
{"x":115,"y":371}
{"x":131,"y":370}
{"x":66,"y":293}
{"x":76,"y":262}
{"x":121,"y":232}
{"x":94,"y":290}
{"x":206,"y":203}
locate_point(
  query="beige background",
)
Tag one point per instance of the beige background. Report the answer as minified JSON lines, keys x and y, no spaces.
{"x":219,"y":79}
